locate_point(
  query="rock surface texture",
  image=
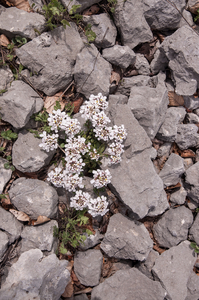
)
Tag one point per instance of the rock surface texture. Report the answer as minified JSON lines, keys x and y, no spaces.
{"x":145,"y":60}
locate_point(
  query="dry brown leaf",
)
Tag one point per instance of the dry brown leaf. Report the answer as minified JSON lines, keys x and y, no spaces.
{"x":77,"y":103}
{"x":40,"y":220}
{"x":85,"y":291}
{"x":20,"y":4}
{"x":115,"y":77}
{"x":50,"y":102}
{"x":4,"y":41}
{"x":68,"y":290}
{"x":187,"y":153}
{"x":174,"y":99}
{"x":94,"y":9}
{"x":20,"y":215}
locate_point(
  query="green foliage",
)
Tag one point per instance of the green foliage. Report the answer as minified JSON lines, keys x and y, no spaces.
{"x":55,"y":13}
{"x":195,"y":247}
{"x":8,"y":164}
{"x":112,"y":4}
{"x":197,"y":17}
{"x":3,"y":91}
{"x":57,"y":105}
{"x":74,"y":9}
{"x":71,"y":232}
{"x":91,"y":36}
{"x":197,"y":209}
{"x":69,"y":107}
{"x":3,"y":196}
{"x":9,"y":135}
{"x":19,"y":41}
{"x":42,"y":117}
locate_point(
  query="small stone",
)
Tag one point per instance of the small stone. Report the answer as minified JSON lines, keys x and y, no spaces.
{"x":188,"y":162}
{"x":146,"y":266}
{"x":126,"y":239}
{"x":83,"y":4}
{"x":5,"y":174}
{"x":18,"y":104}
{"x":187,"y":136}
{"x":10,"y":225}
{"x":173,"y":267}
{"x":172,"y":170}
{"x":173,"y":227}
{"x":87,"y":267}
{"x":34,"y":197}
{"x":14,"y":21}
{"x":193,"y":233}
{"x":3,"y":243}
{"x":128,"y":82}
{"x":91,"y":240}
{"x":191,"y":102}
{"x":27,"y":156}
{"x":192,"y":118}
{"x":178,"y":197}
{"x":104,"y":29}
{"x":6,"y":77}
{"x":121,"y":56}
{"x":142,"y":65}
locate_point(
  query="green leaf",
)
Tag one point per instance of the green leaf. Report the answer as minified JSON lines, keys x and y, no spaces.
{"x":2,"y":149}
{"x":64,"y":23}
{"x":3,"y":196}
{"x":84,"y":220}
{"x":91,"y":36}
{"x":193,"y":245}
{"x":62,"y":249}
{"x":20,"y":68}
{"x":7,"y":165}
{"x":3,"y":91}
{"x":89,"y":232}
{"x":9,"y":157}
{"x":55,"y":231}
{"x":62,"y":145}
{"x":55,"y":10}
{"x":74,"y":9}
{"x":12,"y":168}
{"x":57,"y":105}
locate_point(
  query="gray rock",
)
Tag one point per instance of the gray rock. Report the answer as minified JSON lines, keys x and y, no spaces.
{"x":84,"y":4}
{"x":187,"y":136}
{"x":188,"y":162}
{"x":173,"y":227}
{"x":10,"y":225}
{"x":6,"y":77}
{"x":5,"y":174}
{"x":137,"y":184}
{"x":173,"y":268}
{"x":192,"y":118}
{"x":142,"y":65}
{"x":193,"y":286}
{"x":87,"y":267}
{"x":191,"y":102}
{"x":34,"y":197}
{"x":91,"y":240}
{"x":117,"y":99}
{"x":178,"y":197}
{"x":177,"y":49}
{"x":98,"y":81}
{"x":128,"y":82}
{"x":126,"y":239}
{"x":146,"y":266}
{"x":161,"y":15}
{"x":18,"y":104}
{"x":172,"y":170}
{"x":168,"y":130}
{"x":159,"y":62}
{"x":27,"y":156}
{"x":14,"y":21}
{"x":104,"y":29}
{"x":3,"y":243}
{"x":40,"y":237}
{"x":164,"y":150}
{"x":137,"y":138}
{"x":121,"y":56}
{"x":130,"y":21}
{"x":151,"y":113}
{"x":128,"y":284}
{"x":193,"y":233}
{"x":188,"y":17}
{"x":36,"y":277}
{"x":37,"y":7}
{"x":51,"y":58}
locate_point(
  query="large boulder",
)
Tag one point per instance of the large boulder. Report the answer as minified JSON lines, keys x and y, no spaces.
{"x":51,"y":58}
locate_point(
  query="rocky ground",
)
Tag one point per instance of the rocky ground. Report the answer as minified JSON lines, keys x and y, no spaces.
{"x":145,"y":59}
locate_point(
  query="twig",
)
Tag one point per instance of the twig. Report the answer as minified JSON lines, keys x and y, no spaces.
{"x":171,"y":3}
{"x":66,"y":90}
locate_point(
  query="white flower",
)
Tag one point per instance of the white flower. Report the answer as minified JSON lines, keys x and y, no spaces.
{"x":118,"y":133}
{"x":70,"y":126}
{"x":94,"y":155}
{"x":115,"y":150}
{"x":80,"y":200}
{"x":49,"y":142}
{"x":74,"y":165}
{"x":102,"y":133}
{"x":93,"y":106}
{"x":55,"y":119}
{"x":100,"y":119}
{"x":100,"y":101}
{"x":72,"y":181}
{"x":56,"y":177}
{"x":76,"y":146}
{"x":101,"y":178}
{"x":98,"y":206}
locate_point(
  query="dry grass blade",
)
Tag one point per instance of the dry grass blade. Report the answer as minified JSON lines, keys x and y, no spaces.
{"x":4,"y":41}
{"x":40,"y":220}
{"x":20,"y":215}
{"x":20,"y":4}
{"x":174,"y":99}
{"x":50,"y":102}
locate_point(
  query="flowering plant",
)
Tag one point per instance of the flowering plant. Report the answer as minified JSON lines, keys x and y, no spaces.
{"x":82,"y":147}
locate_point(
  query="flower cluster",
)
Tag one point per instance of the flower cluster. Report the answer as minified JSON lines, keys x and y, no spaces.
{"x":77,"y":147}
